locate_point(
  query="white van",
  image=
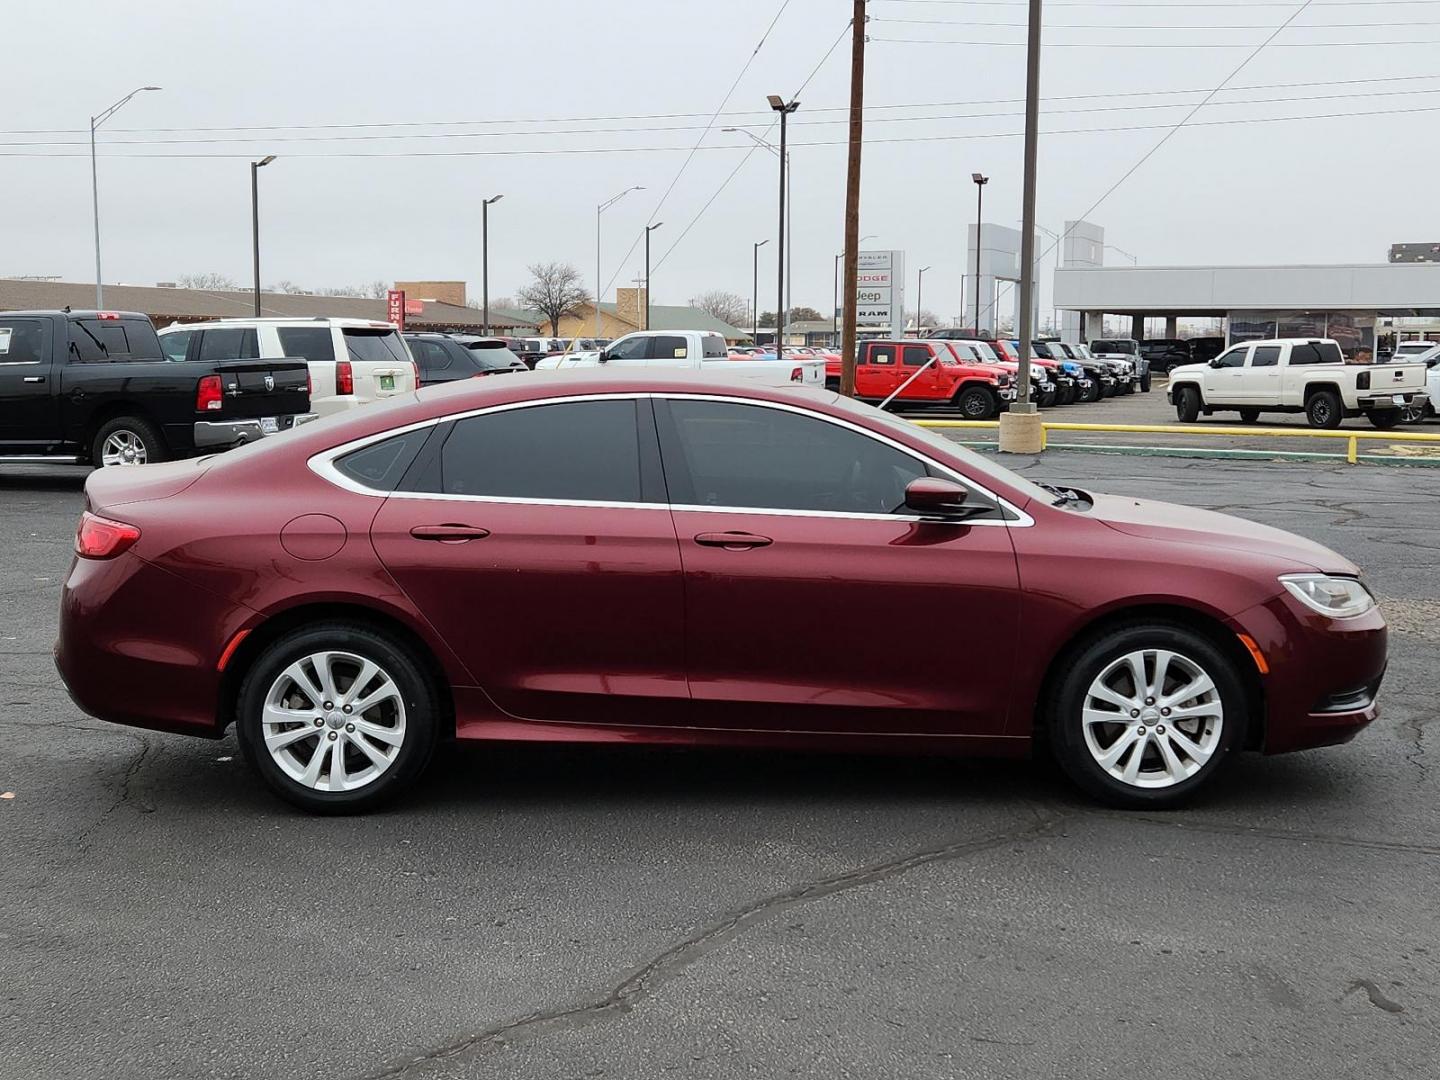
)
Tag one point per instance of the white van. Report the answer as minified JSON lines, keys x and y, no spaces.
{"x":352,"y":361}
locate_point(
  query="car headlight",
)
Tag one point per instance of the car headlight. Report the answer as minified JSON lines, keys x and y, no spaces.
{"x":1337,"y":597}
{"x":1003,"y":379}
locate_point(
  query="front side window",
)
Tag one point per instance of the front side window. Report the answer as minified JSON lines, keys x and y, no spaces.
{"x":1233,"y":358}
{"x":1265,"y":356}
{"x":636,"y":348}
{"x":723,"y":454}
{"x":308,"y":342}
{"x":916,"y":355}
{"x":570,"y":451}
{"x":176,"y":345}
{"x":22,"y":341}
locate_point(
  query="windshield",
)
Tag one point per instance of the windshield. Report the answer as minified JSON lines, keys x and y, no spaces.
{"x":1117,"y":346}
{"x":980,"y":468}
{"x":382,"y":345}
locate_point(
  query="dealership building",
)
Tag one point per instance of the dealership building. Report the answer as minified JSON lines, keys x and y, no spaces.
{"x":1359,"y":305}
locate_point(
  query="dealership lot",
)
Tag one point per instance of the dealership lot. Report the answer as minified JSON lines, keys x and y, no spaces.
{"x":571,"y":912}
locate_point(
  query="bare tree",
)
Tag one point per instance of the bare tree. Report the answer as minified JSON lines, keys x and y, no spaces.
{"x":556,"y":291}
{"x":377,"y":290}
{"x":286,"y":286}
{"x":207,"y":281}
{"x":505,"y":303}
{"x":926,"y":317}
{"x":341,"y":290}
{"x":728,"y":307}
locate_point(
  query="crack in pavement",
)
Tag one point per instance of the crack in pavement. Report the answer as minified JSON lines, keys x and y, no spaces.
{"x":1284,"y":835}
{"x":1379,"y":1000}
{"x":82,"y":841}
{"x":674,"y":960}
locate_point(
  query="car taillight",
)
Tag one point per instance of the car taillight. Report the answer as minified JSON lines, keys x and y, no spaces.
{"x":344,"y":377}
{"x":101,"y":538}
{"x":416,"y":369}
{"x":798,"y":375}
{"x":208,"y":395}
{"x":309,"y":384}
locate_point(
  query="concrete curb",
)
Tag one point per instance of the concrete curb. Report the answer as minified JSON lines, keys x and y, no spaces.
{"x":1218,"y":453}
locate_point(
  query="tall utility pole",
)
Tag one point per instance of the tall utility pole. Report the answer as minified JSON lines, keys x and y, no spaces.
{"x":600,"y":208}
{"x":1020,"y":428}
{"x":980,"y":182}
{"x":95,"y":122}
{"x":255,"y":167}
{"x":784,"y":108}
{"x":755,"y":291}
{"x":919,"y":293}
{"x":648,"y":230}
{"x":485,"y":264}
{"x":852,"y":196}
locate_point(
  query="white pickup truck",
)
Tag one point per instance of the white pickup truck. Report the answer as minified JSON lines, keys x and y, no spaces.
{"x":700,"y":350}
{"x":352,"y":361}
{"x":1294,"y":375}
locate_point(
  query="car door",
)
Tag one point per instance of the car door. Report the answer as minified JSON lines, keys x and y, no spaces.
{"x":926,"y":384}
{"x":1224,"y":379}
{"x":628,"y":352}
{"x":535,"y":539}
{"x":877,"y":375}
{"x":800,"y":575}
{"x":28,"y":394}
{"x":1261,"y":384}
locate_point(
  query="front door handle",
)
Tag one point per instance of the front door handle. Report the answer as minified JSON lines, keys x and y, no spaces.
{"x":34,"y":378}
{"x":449,"y":533}
{"x":732,"y":541}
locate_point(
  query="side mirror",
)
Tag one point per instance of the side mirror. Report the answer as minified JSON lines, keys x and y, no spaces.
{"x":1215,"y":361}
{"x":604,"y":356}
{"x":933,"y":496}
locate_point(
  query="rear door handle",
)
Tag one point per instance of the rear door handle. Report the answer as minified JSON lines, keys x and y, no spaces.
{"x":449,"y":533}
{"x":34,"y":378}
{"x":732,"y":541}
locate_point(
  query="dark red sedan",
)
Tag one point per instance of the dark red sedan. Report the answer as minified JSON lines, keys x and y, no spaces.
{"x":670,"y":559}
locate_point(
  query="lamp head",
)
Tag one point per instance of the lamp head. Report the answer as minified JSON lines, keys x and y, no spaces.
{"x":264,"y":161}
{"x":979,"y":179}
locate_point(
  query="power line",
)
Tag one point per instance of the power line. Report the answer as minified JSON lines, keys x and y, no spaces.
{"x":1156,"y":45}
{"x":1153,"y":26}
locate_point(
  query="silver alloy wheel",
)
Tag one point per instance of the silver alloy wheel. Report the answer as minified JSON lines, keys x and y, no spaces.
{"x":123,"y":447}
{"x":334,"y":721}
{"x":1153,"y":718}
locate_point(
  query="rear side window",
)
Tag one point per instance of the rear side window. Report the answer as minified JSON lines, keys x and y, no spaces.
{"x":431,"y":355}
{"x":1316,"y":352}
{"x":309,"y":342}
{"x":713,"y":346}
{"x":382,"y":345}
{"x":881,"y":354}
{"x":1265,"y":356}
{"x":381,"y":465}
{"x":671,"y":348}
{"x":230,"y":343}
{"x":572,"y":451}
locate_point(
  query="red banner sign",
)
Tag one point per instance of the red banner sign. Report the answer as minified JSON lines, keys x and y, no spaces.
{"x":395,"y":300}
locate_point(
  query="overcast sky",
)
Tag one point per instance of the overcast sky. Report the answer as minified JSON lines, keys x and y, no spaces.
{"x":482,"y":73}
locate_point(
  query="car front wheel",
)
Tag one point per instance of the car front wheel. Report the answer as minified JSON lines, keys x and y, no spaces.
{"x":1187,"y":404}
{"x":976,"y":403}
{"x":1146,"y":714}
{"x":337,"y":717}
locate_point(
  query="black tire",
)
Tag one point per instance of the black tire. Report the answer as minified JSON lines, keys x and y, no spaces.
{"x":1217,"y":734}
{"x":139,"y":433}
{"x":1323,"y":409}
{"x":1094,"y":393}
{"x":1249,"y":416}
{"x":1065,"y":395}
{"x":976,"y":403}
{"x":1145,"y":383}
{"x":1383,"y":419}
{"x":832,"y":383}
{"x":417,"y":692}
{"x":1187,"y":404}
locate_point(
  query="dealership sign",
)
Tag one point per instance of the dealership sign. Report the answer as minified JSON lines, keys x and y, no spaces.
{"x":880,"y":290}
{"x":395,"y":306}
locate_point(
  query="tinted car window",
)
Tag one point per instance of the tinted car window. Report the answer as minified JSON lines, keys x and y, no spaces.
{"x":430,"y":355}
{"x":381,"y":465}
{"x":915,"y":355}
{"x":176,"y":345}
{"x":114,"y":339}
{"x":231,"y":343}
{"x":723,"y":454}
{"x":382,"y":345}
{"x":310,"y":342}
{"x":1235,"y":357}
{"x":1265,"y":356}
{"x":671,"y":348}
{"x":584,"y":450}
{"x":880,"y":354}
{"x":713,"y":347}
{"x":22,"y":341}
{"x":1318,"y":352}
{"x":636,"y":348}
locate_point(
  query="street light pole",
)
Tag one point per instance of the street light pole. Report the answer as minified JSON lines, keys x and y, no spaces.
{"x":255,"y":167}
{"x":648,"y":230}
{"x":755,"y":291}
{"x":919,"y":293}
{"x":485,"y":266}
{"x":95,"y":122}
{"x":980,"y":182}
{"x":600,"y":209}
{"x":784,"y":108}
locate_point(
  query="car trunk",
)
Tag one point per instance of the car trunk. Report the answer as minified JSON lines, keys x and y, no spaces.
{"x":259,"y":388}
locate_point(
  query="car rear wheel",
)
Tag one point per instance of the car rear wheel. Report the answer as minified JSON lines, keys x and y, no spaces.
{"x":337,"y":717}
{"x":127,"y":440}
{"x":1323,"y":409}
{"x":1249,"y":416}
{"x":976,"y":403}
{"x":1145,"y":383}
{"x":1384,"y":419}
{"x":1187,"y":404}
{"x":1146,"y":714}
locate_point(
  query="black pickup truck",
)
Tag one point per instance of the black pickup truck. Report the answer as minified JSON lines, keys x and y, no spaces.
{"x":94,"y":386}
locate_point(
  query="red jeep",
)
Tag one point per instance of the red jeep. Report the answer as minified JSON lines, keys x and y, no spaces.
{"x":979,"y":391}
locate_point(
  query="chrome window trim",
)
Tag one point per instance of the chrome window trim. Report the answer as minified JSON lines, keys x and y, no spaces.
{"x":21,"y":363}
{"x":323,"y":465}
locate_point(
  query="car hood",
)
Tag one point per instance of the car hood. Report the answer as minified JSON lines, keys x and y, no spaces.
{"x":1188,"y":369}
{"x":1172,"y":523}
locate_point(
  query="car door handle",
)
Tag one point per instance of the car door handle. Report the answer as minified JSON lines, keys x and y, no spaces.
{"x":732,"y":541}
{"x":34,"y":378}
{"x":449,"y":533}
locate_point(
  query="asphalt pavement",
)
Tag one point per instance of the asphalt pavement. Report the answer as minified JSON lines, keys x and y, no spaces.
{"x":544,"y":912}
